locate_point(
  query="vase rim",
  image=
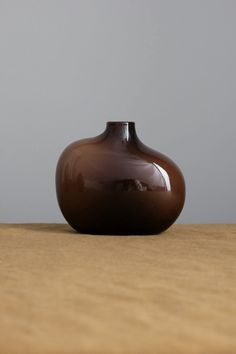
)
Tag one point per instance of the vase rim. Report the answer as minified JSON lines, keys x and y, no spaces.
{"x":120,"y":122}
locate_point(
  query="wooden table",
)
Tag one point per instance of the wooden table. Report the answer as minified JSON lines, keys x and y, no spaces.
{"x":62,"y":292}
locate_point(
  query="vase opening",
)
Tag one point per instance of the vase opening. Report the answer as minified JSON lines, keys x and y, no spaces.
{"x":123,"y":130}
{"x":119,"y":122}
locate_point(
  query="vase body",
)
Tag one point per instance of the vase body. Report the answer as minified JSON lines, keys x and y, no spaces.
{"x":114,"y":184}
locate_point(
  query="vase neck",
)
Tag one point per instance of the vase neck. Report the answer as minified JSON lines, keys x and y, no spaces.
{"x":122,"y":131}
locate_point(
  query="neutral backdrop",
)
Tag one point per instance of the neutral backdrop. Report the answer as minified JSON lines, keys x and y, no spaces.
{"x":67,"y":67}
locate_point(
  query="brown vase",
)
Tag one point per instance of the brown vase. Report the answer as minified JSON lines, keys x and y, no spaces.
{"x":114,"y":184}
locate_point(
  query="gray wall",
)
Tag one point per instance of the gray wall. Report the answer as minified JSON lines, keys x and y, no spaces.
{"x":67,"y":67}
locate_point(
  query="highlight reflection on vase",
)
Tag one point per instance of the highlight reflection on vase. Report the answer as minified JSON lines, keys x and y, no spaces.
{"x":114,"y":184}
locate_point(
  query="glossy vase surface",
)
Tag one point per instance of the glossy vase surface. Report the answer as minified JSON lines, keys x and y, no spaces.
{"x":114,"y":184}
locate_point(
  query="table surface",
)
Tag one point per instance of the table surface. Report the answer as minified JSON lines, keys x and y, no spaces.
{"x":63,"y":292}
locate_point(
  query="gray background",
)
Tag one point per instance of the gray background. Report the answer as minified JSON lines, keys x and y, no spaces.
{"x":67,"y":67}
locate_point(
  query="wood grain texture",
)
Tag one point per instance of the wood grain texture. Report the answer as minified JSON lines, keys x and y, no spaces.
{"x":62,"y":292}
